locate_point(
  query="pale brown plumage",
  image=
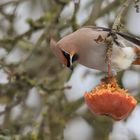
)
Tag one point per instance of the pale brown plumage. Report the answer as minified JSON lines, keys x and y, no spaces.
{"x":88,"y":46}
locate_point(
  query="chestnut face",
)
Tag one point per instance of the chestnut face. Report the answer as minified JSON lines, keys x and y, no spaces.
{"x":58,"y":52}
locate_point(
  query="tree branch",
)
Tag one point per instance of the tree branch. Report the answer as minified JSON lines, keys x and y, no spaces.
{"x":119,"y":20}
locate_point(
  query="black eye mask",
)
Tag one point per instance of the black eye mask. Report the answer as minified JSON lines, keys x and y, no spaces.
{"x":67,"y":56}
{"x":75,"y":57}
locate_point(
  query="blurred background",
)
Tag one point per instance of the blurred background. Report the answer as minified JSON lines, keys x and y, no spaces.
{"x":39,"y":98}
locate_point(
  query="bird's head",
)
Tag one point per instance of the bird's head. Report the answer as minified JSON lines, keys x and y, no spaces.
{"x":65,"y":56}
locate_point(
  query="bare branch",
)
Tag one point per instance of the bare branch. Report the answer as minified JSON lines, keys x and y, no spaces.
{"x":119,"y":20}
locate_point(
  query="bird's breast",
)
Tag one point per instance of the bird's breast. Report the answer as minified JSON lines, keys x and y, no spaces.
{"x":122,"y":58}
{"x":94,"y":57}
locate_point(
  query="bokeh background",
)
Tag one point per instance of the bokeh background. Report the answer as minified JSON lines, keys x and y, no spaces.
{"x":39,"y":98}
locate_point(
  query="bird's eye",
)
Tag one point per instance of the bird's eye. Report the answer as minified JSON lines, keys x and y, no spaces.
{"x":75,"y":57}
{"x":67,"y":56}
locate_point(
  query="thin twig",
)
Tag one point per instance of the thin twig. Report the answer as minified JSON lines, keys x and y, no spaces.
{"x":108,"y":8}
{"x":10,"y":2}
{"x":73,"y":19}
{"x":116,"y":27}
{"x":96,"y":9}
{"x":10,"y":106}
{"x":118,"y":21}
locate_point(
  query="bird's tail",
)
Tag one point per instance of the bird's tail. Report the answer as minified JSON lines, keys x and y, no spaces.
{"x":137,"y":60}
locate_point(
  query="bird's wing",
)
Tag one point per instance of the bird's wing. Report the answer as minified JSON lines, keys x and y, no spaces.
{"x":99,"y":28}
{"x":130,"y":38}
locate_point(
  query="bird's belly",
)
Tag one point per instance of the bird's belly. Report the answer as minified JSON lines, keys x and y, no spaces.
{"x":120,"y":59}
{"x":95,"y":64}
{"x":94,"y":59}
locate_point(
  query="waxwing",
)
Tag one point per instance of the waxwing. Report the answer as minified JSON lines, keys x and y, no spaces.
{"x":88,"y":46}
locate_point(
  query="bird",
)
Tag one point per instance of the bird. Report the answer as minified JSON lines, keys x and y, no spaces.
{"x":88,"y":46}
